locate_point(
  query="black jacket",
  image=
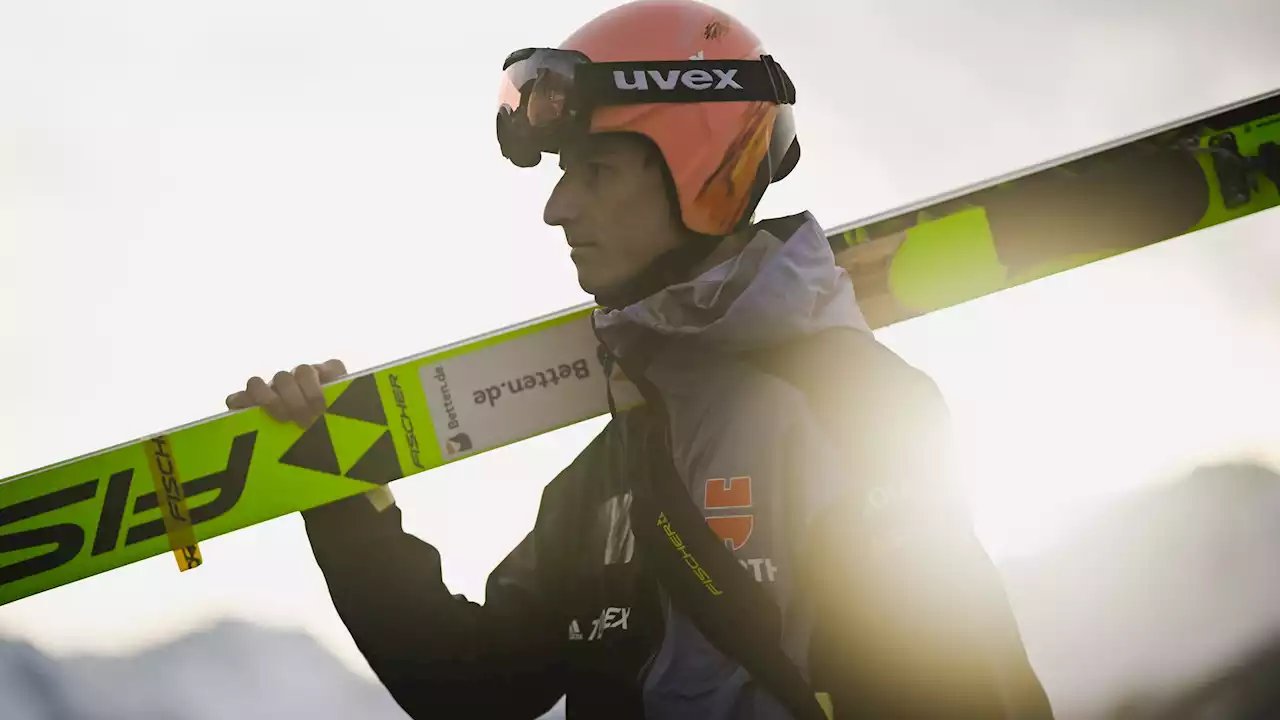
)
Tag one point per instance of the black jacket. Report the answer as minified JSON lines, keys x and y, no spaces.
{"x":891,"y":603}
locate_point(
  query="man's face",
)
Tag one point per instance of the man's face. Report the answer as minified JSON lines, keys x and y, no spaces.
{"x":613,"y":205}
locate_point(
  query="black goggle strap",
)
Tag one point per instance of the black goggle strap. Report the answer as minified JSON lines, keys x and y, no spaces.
{"x":691,"y":81}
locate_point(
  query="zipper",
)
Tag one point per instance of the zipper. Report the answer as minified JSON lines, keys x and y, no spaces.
{"x":608,"y":361}
{"x":658,"y":637}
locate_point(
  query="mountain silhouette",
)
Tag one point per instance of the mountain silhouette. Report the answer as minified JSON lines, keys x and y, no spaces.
{"x":1173,"y":586}
{"x":230,"y":670}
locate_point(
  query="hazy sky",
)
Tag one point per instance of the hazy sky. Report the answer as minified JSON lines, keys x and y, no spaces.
{"x":191,"y":194}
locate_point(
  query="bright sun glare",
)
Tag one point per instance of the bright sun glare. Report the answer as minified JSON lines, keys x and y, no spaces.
{"x":1070,"y":390}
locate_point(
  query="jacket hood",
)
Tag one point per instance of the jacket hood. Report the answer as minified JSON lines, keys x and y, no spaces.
{"x":784,"y":285}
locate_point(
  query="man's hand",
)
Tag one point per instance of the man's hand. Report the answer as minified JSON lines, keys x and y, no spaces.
{"x":292,"y":396}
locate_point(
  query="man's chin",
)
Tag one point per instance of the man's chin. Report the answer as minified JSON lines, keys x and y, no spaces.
{"x":604,"y":287}
{"x":592,"y":281}
{"x":595,"y":290}
{"x":601,"y":292}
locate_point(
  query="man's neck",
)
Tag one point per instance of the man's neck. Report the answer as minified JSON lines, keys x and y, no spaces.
{"x":727,"y":248}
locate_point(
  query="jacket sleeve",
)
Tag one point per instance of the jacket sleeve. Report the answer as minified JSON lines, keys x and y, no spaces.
{"x":438,"y":654}
{"x":912,"y":620}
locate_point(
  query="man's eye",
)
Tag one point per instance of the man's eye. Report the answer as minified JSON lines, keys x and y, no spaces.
{"x":593,"y":171}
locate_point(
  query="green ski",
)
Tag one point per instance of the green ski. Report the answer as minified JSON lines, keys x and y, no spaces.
{"x":164,"y":493}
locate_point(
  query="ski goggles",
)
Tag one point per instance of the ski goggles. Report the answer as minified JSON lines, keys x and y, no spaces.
{"x":547,"y":95}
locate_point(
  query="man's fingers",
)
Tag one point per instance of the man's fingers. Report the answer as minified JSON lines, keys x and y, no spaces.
{"x":239,"y":401}
{"x":296,"y":396}
{"x":308,"y":378}
{"x":330,"y":370}
{"x":295,"y":405}
{"x":266,"y":398}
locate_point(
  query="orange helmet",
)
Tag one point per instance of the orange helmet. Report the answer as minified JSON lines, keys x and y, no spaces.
{"x":687,"y":76}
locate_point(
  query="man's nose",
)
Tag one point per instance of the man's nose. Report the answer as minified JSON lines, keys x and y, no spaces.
{"x":564,"y":204}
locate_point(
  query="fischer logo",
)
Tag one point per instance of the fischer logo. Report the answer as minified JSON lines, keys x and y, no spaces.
{"x":699,"y":572}
{"x":108,"y":516}
{"x":406,"y":422}
{"x":173,"y":498}
{"x":693,"y":79}
{"x":531,"y":381}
